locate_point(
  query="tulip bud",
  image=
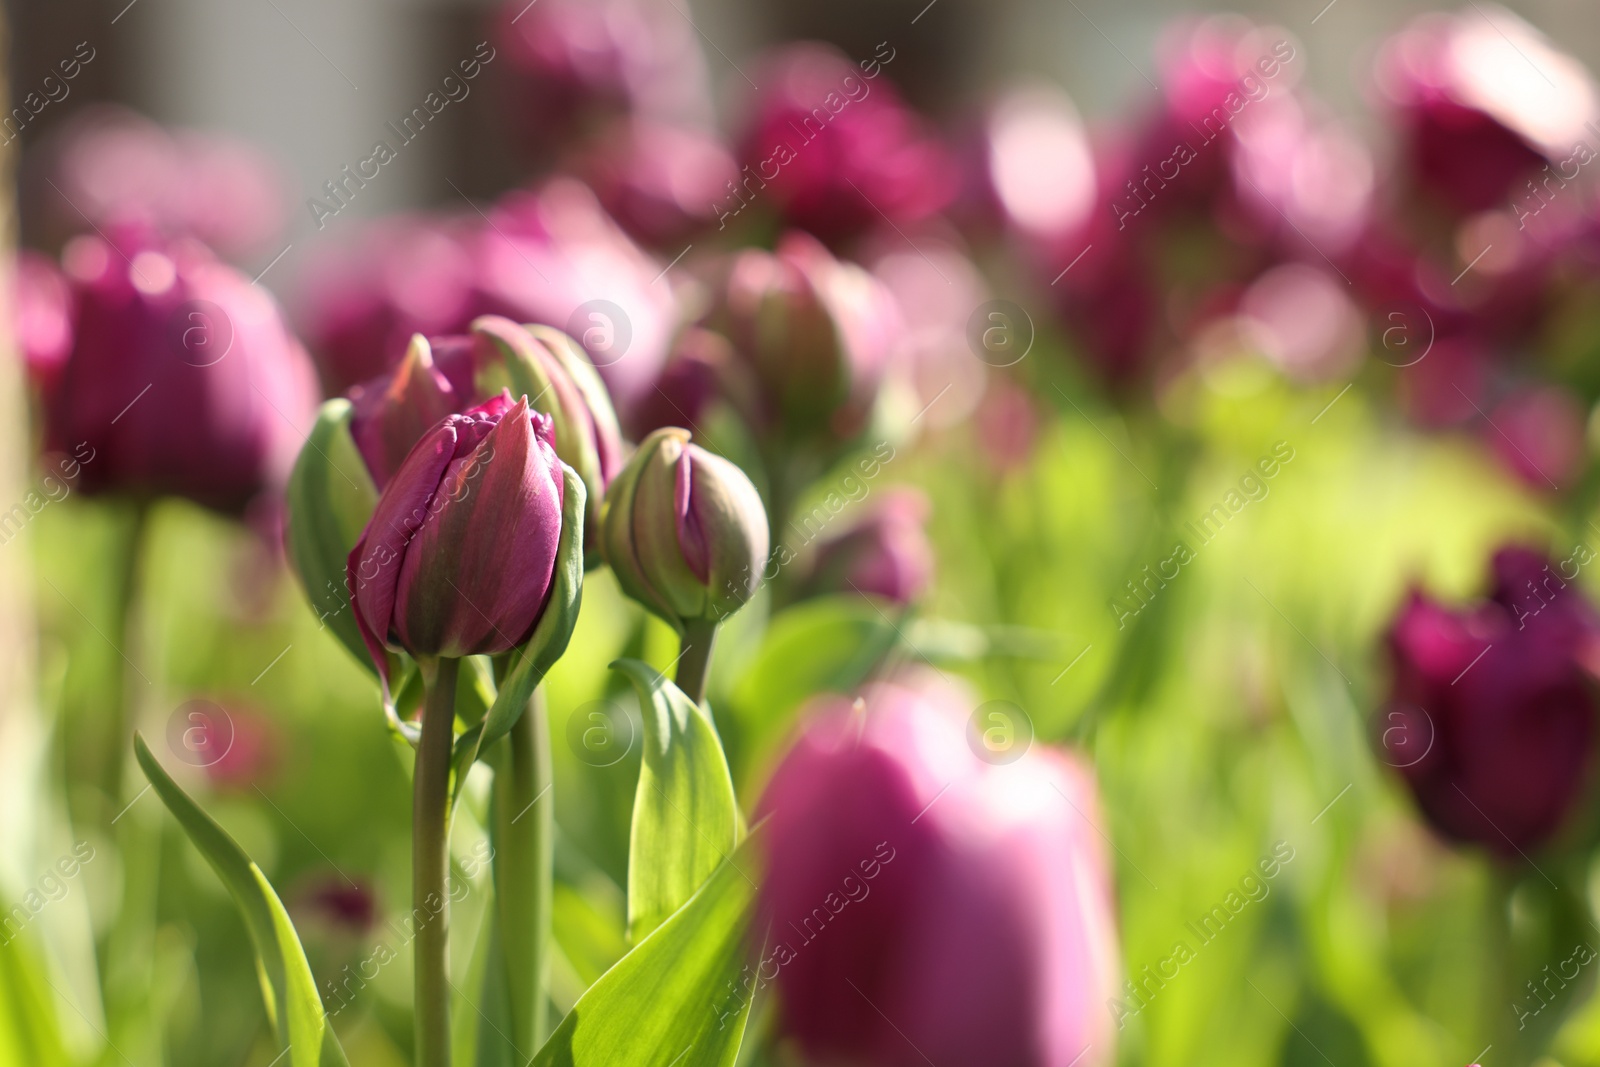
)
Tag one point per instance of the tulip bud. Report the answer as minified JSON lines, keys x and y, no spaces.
{"x":461,"y":552}
{"x":817,"y":333}
{"x":684,"y":531}
{"x":909,"y":880}
{"x":1490,"y":717}
{"x":884,"y":552}
{"x":548,"y":366}
{"x":182,"y":376}
{"x":391,"y":413}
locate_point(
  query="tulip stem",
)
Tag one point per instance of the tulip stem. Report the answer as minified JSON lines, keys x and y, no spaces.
{"x":524,"y":833}
{"x":694,"y":662}
{"x":430,"y":864}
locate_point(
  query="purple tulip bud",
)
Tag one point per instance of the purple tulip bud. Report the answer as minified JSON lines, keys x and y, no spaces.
{"x":182,"y":378}
{"x":684,"y":531}
{"x":924,"y":905}
{"x":461,"y":551}
{"x":1482,"y":105}
{"x":393,"y":412}
{"x":885,"y":551}
{"x":1491,"y":712}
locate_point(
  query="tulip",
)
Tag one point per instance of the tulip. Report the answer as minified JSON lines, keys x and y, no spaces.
{"x":1483,"y":106}
{"x":181,"y":376}
{"x":816,"y":332}
{"x":1490,"y":717}
{"x":460,"y":554}
{"x":43,"y":310}
{"x":686,"y":535}
{"x":391,"y":413}
{"x":1538,"y":433}
{"x":923,"y":905}
{"x":661,"y":182}
{"x":884,"y":552}
{"x":834,"y":150}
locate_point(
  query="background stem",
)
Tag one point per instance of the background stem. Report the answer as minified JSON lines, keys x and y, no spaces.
{"x":524,"y":831}
{"x":695,"y":662}
{"x":430,"y":865}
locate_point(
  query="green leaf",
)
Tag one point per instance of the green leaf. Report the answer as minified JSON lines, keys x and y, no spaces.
{"x":675,"y":1000}
{"x":685,"y":815}
{"x":290,"y":992}
{"x":827,"y":645}
{"x":550,"y":637}
{"x":330,"y":498}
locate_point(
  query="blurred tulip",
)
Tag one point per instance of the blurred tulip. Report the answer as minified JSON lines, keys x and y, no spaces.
{"x":661,"y":183}
{"x":249,"y":752}
{"x":461,"y":551}
{"x":884,"y":551}
{"x":44,"y":312}
{"x":120,"y":169}
{"x":553,"y":256}
{"x":1039,"y":166}
{"x":1301,"y":319}
{"x":182,"y":377}
{"x":684,"y":531}
{"x":816,"y":331}
{"x":1484,"y":103}
{"x":1539,"y":435}
{"x":579,"y":63}
{"x":364,"y":295}
{"x":835,"y":150}
{"x":932,"y":361}
{"x":1490,"y":717}
{"x":1007,"y":425}
{"x":700,"y":368}
{"x":908,"y":880}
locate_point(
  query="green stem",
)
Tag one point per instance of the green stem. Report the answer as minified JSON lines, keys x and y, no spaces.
{"x":524,"y":866}
{"x":694,"y":663}
{"x":430,"y":864}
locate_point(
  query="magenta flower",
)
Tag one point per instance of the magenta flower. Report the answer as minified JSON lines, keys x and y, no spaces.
{"x":884,"y":551}
{"x":661,"y":182}
{"x":1490,"y":717}
{"x":924,"y":905}
{"x":460,"y":554}
{"x":831,"y":145}
{"x":1483,"y":106}
{"x":1538,"y":433}
{"x":181,"y":378}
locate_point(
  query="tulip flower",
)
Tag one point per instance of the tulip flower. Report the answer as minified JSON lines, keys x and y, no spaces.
{"x":924,"y":905}
{"x":661,"y":182}
{"x":834,"y":150}
{"x":181,"y":375}
{"x":1490,"y":717}
{"x":686,"y":535}
{"x":885,"y":551}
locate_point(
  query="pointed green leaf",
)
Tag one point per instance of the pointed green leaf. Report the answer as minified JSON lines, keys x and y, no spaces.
{"x":290,"y":992}
{"x":675,"y":1000}
{"x":330,"y":498}
{"x":685,"y":815}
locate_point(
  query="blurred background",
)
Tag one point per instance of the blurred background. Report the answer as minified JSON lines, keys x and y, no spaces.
{"x":1228,"y":523}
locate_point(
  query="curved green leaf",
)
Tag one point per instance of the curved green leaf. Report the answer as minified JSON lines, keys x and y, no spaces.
{"x":330,"y":498}
{"x":676,"y":999}
{"x":685,"y":816}
{"x":290,"y":992}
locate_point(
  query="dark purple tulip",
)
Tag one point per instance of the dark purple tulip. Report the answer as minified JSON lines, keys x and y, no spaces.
{"x":1491,"y":713}
{"x":182,"y":377}
{"x":923,"y":905}
{"x":1483,"y":106}
{"x":662,"y":183}
{"x":460,"y":553}
{"x":885,"y":551}
{"x":831,"y":144}
{"x":392,"y":412}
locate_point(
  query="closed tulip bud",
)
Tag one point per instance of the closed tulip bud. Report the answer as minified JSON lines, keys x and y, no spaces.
{"x":461,"y":553}
{"x":548,"y":366}
{"x":181,"y":376}
{"x":884,"y":552}
{"x":684,"y":531}
{"x":817,"y":332}
{"x":968,"y":902}
{"x":1491,"y":713}
{"x":391,"y":413}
